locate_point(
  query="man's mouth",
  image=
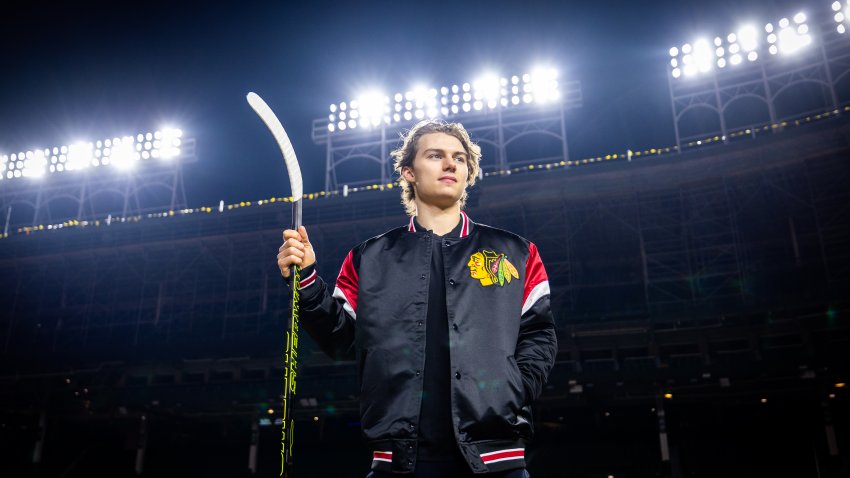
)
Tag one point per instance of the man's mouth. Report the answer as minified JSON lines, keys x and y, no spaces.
{"x":448,"y":178}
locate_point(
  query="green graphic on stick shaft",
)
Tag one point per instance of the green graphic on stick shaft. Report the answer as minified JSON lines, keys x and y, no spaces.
{"x":290,"y":366}
{"x":290,"y":359}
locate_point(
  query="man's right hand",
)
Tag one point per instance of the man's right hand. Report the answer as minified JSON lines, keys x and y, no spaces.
{"x":296,"y":249}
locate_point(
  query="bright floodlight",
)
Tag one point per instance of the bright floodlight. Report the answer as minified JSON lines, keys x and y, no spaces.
{"x":121,"y":151}
{"x":841,"y":16}
{"x":790,"y":40}
{"x":169,"y":143}
{"x":544,"y":85}
{"x":487,"y":89}
{"x":748,"y":38}
{"x":703,"y":56}
{"x":34,"y":164}
{"x":123,"y":155}
{"x":789,"y":35}
{"x":373,"y":107}
{"x":79,"y":156}
{"x":487,"y":92}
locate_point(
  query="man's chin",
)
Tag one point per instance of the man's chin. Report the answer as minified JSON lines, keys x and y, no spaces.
{"x":442,"y":201}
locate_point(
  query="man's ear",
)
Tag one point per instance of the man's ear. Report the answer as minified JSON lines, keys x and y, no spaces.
{"x":407,"y":174}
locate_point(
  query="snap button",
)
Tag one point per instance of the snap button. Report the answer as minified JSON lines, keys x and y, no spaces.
{"x":419,"y":324}
{"x":418,"y":373}
{"x":454,"y":326}
{"x":457,"y":375}
{"x":452,"y":281}
{"x":422,"y":277}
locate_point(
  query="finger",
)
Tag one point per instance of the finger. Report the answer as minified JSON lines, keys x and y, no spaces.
{"x":285,"y":263}
{"x":291,"y":234}
{"x":294,"y":243}
{"x":290,"y":251}
{"x":284,"y":268}
{"x":303,"y":231}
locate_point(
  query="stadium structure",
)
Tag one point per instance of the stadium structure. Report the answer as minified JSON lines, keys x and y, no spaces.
{"x":700,"y":294}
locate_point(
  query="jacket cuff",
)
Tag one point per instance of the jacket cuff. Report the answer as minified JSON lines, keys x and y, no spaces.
{"x":308,"y":276}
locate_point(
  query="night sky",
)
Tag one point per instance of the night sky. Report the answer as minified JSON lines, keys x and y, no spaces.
{"x":90,"y":70}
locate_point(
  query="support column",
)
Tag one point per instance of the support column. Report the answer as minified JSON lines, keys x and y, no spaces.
{"x":829,"y":429}
{"x":142,"y":446}
{"x":662,"y":429}
{"x":38,"y":450}
{"x":252,"y":452}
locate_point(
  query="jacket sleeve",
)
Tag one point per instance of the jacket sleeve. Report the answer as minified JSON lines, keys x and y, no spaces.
{"x":537,"y":343}
{"x":329,"y":317}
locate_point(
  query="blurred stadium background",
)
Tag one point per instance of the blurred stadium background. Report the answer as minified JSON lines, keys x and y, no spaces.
{"x":700,"y":287}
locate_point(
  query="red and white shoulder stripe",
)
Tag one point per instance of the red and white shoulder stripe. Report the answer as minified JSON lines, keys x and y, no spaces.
{"x":536,"y":280}
{"x":346,"y":286}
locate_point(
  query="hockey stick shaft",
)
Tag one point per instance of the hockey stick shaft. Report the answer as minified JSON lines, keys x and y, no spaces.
{"x":291,"y":356}
{"x":291,"y":360}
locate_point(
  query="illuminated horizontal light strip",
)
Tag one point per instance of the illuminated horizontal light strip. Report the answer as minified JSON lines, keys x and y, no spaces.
{"x":841,"y":16}
{"x":749,"y":132}
{"x":701,"y":57}
{"x":488,"y":92}
{"x":119,"y":152}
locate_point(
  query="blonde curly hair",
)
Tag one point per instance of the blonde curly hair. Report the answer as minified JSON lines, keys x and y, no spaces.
{"x":405,"y":154}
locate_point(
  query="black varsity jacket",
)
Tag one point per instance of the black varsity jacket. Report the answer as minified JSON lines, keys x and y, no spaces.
{"x":501,"y":338}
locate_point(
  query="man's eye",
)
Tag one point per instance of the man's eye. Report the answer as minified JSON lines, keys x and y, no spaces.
{"x":460,"y":159}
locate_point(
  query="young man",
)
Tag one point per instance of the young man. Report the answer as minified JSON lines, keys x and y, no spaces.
{"x":449,"y":322}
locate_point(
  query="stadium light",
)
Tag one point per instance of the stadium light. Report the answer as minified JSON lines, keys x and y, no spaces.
{"x":79,"y":157}
{"x":841,"y":16}
{"x":544,"y":85}
{"x":34,"y":164}
{"x":488,"y":92}
{"x":788,"y":36}
{"x":164,"y":144}
{"x":122,"y":155}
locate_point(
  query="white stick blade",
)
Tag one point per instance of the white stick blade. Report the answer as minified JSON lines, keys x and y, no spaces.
{"x":273,"y":124}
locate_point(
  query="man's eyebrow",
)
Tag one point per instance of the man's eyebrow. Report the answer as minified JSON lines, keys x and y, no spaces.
{"x":436,"y":150}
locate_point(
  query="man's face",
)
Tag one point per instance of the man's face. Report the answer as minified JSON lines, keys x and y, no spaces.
{"x":439,"y":170}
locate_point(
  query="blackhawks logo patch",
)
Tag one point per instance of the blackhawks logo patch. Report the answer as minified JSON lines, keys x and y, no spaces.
{"x":490,"y":268}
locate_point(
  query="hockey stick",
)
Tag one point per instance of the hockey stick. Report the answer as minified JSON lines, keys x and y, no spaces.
{"x":290,"y":360}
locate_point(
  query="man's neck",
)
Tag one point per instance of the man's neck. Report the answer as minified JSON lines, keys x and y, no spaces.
{"x":439,"y":221}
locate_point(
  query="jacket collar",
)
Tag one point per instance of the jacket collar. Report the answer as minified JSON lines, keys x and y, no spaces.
{"x":464,"y":230}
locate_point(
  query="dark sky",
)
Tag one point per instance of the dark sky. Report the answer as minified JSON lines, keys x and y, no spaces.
{"x":75,"y":70}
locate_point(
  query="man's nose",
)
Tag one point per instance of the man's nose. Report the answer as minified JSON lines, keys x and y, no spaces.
{"x":449,"y":164}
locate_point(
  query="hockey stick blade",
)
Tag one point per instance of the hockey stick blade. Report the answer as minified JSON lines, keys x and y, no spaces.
{"x":273,"y":124}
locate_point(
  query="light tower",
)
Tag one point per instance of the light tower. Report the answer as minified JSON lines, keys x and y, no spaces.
{"x":759,"y":75}
{"x":86,"y":180}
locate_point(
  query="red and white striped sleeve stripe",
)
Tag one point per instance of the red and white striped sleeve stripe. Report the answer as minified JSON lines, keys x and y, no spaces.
{"x":503,"y":455}
{"x":309,"y":280}
{"x":382,"y":456}
{"x":346,"y":286}
{"x":536,"y":280}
